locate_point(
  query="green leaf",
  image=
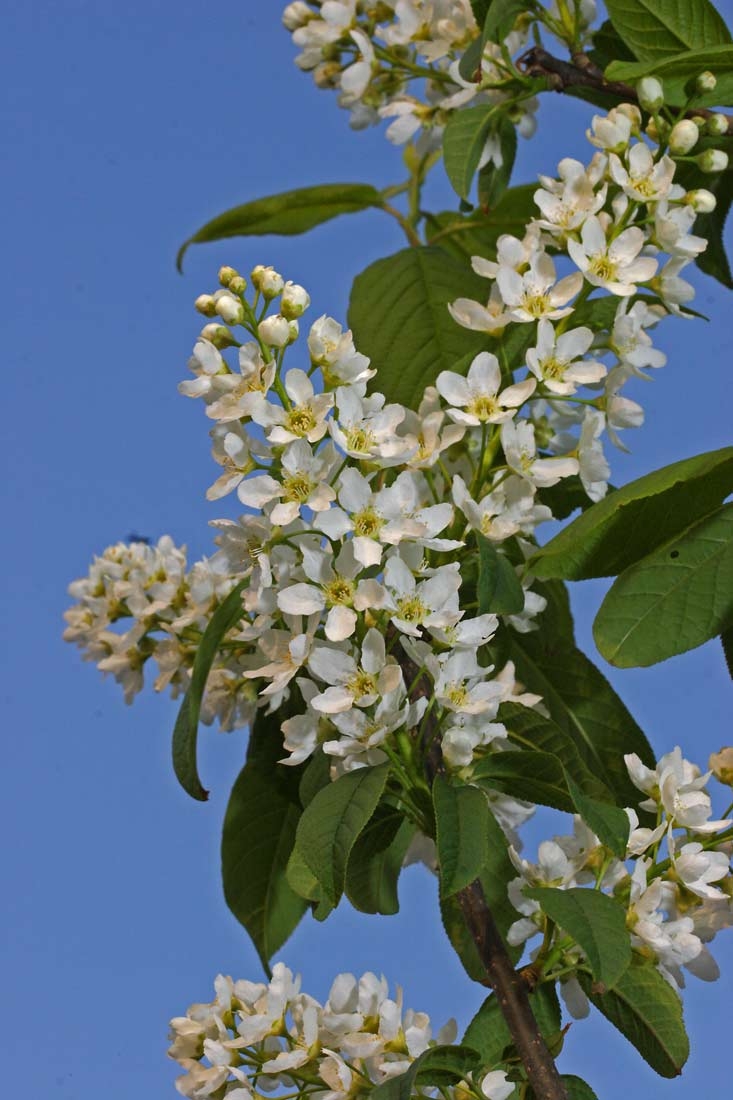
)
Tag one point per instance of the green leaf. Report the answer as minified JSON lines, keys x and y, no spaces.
{"x":655,"y":28}
{"x":674,"y":599}
{"x":499,"y":590}
{"x":726,"y":639}
{"x":436,"y":1066}
{"x":645,"y":1009}
{"x":470,"y":61}
{"x":480,"y":9}
{"x":463,"y":143}
{"x":258,"y":837}
{"x":577,"y":1088}
{"x":286,"y":214}
{"x":595,"y":921}
{"x":461,"y":813}
{"x":609,"y":823}
{"x":631,"y":522}
{"x":331,"y":823}
{"x":532,"y":775}
{"x":477,"y":235}
{"x":305,"y":884}
{"x":676,"y":71}
{"x":493,"y":180}
{"x":501,"y":17}
{"x":399,"y":316}
{"x":713,"y":261}
{"x":185,"y":731}
{"x":316,"y":776}
{"x":375,"y":862}
{"x":488,"y":1033}
{"x":608,"y":46}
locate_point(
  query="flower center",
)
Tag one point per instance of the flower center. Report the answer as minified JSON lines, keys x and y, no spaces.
{"x":298,"y":487}
{"x":483,"y":407}
{"x":603,"y":268}
{"x":301,"y":421}
{"x":411,"y":609}
{"x":360,"y":440}
{"x":368,"y":523}
{"x":537,"y":305}
{"x":361,"y":684}
{"x":339,"y":591}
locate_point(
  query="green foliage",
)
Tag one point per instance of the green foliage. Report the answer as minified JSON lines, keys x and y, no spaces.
{"x":375,"y":862}
{"x":399,"y":318}
{"x":595,"y":921}
{"x":488,"y":1033}
{"x":713,"y":261}
{"x":258,"y":837}
{"x":463,"y":143}
{"x":477,"y":234}
{"x":437,"y":1066}
{"x":645,"y":1009}
{"x":726,"y":639}
{"x":286,"y":214}
{"x":609,"y":823}
{"x":608,"y":46}
{"x":577,"y":1088}
{"x":331,"y":824}
{"x":676,"y":71}
{"x":653,"y":29}
{"x":185,"y":731}
{"x":623,"y":527}
{"x":498,"y":589}
{"x":462,"y":833}
{"x":493,"y":180}
{"x":674,"y":599}
{"x":530,"y":774}
{"x":501,"y":17}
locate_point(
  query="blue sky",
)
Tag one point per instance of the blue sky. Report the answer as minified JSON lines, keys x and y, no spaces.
{"x":127,"y":126}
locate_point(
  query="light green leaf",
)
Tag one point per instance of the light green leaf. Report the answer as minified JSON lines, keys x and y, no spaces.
{"x":375,"y":862}
{"x":648,"y":1012}
{"x":655,"y":28}
{"x":258,"y":837}
{"x":305,"y":884}
{"x":286,"y":214}
{"x":676,"y":71}
{"x":532,"y":775}
{"x":331,"y":823}
{"x":400,"y":319}
{"x":595,"y":921}
{"x":609,"y":823}
{"x":436,"y":1066}
{"x":461,"y":814}
{"x":316,"y":776}
{"x":498,"y":590}
{"x":185,"y":731}
{"x":470,"y":61}
{"x":631,"y":522}
{"x":674,"y":599}
{"x":477,"y":234}
{"x":463,"y":143}
{"x":488,"y":1033}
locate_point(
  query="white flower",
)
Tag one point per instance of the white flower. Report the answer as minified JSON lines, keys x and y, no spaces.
{"x":557,"y":362}
{"x":335,"y":589}
{"x":461,"y":684}
{"x":492,"y":317}
{"x":243,"y":391}
{"x":333,"y":351}
{"x":366,"y":428}
{"x":432,"y":602}
{"x":496,"y":1085}
{"x":645,"y":180}
{"x":353,"y":683}
{"x":612,"y":131}
{"x":594,"y":469}
{"x":304,"y":484}
{"x":629,"y":340}
{"x":616,"y":264}
{"x":304,"y":419}
{"x":536,"y":293}
{"x":477,"y":395}
{"x":565,"y":204}
{"x":698,"y":868}
{"x":520,"y":450}
{"x":355,"y":78}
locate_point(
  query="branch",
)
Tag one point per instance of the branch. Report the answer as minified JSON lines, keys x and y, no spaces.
{"x":563,"y":76}
{"x":509,"y":985}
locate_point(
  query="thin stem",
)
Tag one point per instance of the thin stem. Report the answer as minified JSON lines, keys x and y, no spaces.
{"x":407,"y":228}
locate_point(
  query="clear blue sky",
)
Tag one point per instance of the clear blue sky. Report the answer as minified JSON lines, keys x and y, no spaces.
{"x":127,"y":126}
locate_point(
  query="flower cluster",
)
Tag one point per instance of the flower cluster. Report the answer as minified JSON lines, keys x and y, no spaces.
{"x":676,"y":883}
{"x":400,"y":61}
{"x":256,"y":1038}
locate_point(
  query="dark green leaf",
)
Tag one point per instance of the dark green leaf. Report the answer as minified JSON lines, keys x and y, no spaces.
{"x":436,"y":1066}
{"x":332,"y":822}
{"x":648,"y":1012}
{"x":726,"y":639}
{"x":674,"y":599}
{"x":676,"y":71}
{"x":501,"y":17}
{"x":493,"y":180}
{"x":532,"y":775}
{"x":316,"y":776}
{"x":565,"y":498}
{"x":376,"y":861}
{"x":461,"y":814}
{"x":258,"y":837}
{"x":470,"y":62}
{"x":480,"y":9}
{"x":463,"y":143}
{"x":596,"y":922}
{"x":287,"y":214}
{"x":631,"y":522}
{"x":609,"y":823}
{"x":477,"y":235}
{"x":608,"y":46}
{"x":399,"y":316}
{"x":185,"y":731}
{"x":499,"y":590}
{"x":488,"y":1033}
{"x":654,"y":28}
{"x":577,"y":1088}
{"x":305,"y":884}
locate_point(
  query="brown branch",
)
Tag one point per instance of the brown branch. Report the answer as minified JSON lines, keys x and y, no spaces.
{"x":563,"y":76}
{"x":510,"y":986}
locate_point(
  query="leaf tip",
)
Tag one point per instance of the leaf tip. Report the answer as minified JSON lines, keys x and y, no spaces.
{"x":180,"y":254}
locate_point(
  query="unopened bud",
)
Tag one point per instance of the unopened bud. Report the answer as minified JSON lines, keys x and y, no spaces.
{"x":702,"y":201}
{"x":218,"y":335}
{"x":712,"y":160}
{"x":294,"y":331}
{"x":226,"y":274}
{"x":205,"y":304}
{"x":238,"y":285}
{"x":230,"y":309}
{"x":721,"y":765}
{"x":295,"y":301}
{"x":267,"y":281}
{"x":717,"y":125}
{"x":684,"y":136}
{"x":274,"y":331}
{"x":650,"y":93}
{"x":326,"y":75}
{"x":632,"y":112}
{"x":705,"y":82}
{"x":657,"y":129}
{"x":297,"y":15}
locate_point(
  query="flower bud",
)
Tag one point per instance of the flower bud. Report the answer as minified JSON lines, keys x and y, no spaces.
{"x":326,"y":75}
{"x":657,"y":129}
{"x":205,"y":304}
{"x":274,"y":331}
{"x":632,"y":112}
{"x":705,"y":82}
{"x":294,"y":331}
{"x":712,"y":160}
{"x":702,"y":201}
{"x":650,"y":93}
{"x":721,"y":765}
{"x":238,"y":285}
{"x":684,"y":136}
{"x":717,"y":125}
{"x":267,"y":280}
{"x":218,"y":335}
{"x":230,"y":309}
{"x":297,"y":15}
{"x":226,"y":274}
{"x":295,"y":301}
